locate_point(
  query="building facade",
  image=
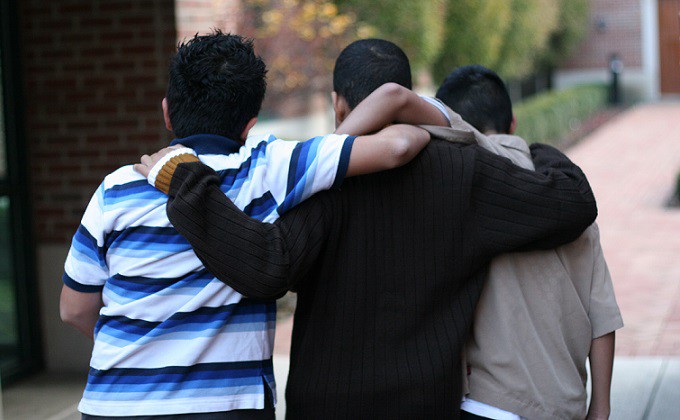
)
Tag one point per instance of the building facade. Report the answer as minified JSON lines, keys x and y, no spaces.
{"x":643,"y":34}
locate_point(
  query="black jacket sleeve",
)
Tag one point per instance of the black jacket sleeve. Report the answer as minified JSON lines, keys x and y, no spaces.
{"x":258,"y":260}
{"x":510,"y":207}
{"x":515,"y":209}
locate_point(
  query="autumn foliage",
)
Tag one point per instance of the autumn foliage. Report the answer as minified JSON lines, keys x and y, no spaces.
{"x":300,"y":39}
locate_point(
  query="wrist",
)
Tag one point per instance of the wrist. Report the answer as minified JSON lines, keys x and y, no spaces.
{"x":160,"y":175}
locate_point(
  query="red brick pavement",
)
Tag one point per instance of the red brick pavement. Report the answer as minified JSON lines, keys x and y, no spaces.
{"x":632,"y":163}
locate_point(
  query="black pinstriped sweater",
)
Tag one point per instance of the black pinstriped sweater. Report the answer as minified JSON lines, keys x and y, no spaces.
{"x":388,"y":269}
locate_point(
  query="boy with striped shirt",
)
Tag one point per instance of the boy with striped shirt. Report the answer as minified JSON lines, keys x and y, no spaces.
{"x":169,"y":338}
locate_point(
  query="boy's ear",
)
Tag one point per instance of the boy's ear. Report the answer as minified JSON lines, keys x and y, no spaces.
{"x":244,"y":133}
{"x":334,"y":97}
{"x":166,"y":114}
{"x":340,"y":108}
{"x":513,"y":125}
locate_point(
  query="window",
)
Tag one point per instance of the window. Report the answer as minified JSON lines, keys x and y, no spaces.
{"x":9,"y":343}
{"x":19,"y":347}
{"x":8,"y":324}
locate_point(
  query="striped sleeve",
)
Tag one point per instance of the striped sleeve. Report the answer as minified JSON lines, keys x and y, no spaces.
{"x":85,"y":269}
{"x":437,"y":104}
{"x":298,"y":170}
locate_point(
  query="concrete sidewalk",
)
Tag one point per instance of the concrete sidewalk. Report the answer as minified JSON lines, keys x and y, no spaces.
{"x":644,"y":388}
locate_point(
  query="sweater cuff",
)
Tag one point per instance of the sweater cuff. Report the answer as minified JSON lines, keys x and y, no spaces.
{"x":161,"y":174}
{"x":196,"y":171}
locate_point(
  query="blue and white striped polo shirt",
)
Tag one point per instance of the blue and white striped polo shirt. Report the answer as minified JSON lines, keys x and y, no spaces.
{"x":171,"y":338}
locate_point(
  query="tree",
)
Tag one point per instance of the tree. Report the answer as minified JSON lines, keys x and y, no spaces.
{"x":513,"y":37}
{"x":474,"y":34}
{"x":416,"y":26}
{"x":572,"y":27}
{"x":527,"y":39}
{"x":299,"y":41}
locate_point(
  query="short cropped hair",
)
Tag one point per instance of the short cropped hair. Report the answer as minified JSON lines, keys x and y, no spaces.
{"x":478,"y":95}
{"x":216,"y":85}
{"x":365,"y":65}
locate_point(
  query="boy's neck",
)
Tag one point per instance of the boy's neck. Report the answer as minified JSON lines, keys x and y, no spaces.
{"x":210,"y":144}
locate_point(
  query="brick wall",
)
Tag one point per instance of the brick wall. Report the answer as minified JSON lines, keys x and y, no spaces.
{"x":614,"y":26}
{"x":95,"y":74}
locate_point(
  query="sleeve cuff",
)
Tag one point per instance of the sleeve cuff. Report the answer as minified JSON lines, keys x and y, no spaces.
{"x":615,"y":323}
{"x":160,"y":175}
{"x":343,"y":163}
{"x":195,"y":170}
{"x":437,"y":104}
{"x":78,"y":287}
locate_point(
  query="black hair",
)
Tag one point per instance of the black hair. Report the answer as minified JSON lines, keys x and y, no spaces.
{"x":478,"y":95}
{"x":365,"y":65}
{"x":216,"y":85}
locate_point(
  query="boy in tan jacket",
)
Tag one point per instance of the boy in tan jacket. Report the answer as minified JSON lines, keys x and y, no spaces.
{"x":542,"y":313}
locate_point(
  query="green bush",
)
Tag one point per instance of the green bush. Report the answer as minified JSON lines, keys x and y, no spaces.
{"x":549,"y":117}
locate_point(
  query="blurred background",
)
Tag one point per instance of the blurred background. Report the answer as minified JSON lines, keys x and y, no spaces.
{"x":82,"y":83}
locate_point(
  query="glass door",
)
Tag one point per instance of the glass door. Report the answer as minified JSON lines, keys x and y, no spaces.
{"x":9,"y":343}
{"x":20,"y":352}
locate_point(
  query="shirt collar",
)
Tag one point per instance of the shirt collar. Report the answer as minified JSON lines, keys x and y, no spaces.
{"x":209,"y":144}
{"x":511,"y":141}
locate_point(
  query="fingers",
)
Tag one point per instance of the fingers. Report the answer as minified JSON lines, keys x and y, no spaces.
{"x":145,"y":166}
{"x":148,"y":161}
{"x":142,"y":169}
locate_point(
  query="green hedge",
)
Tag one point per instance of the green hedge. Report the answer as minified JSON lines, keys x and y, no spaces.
{"x":550,"y":117}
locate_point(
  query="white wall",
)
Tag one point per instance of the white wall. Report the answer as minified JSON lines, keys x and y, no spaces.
{"x":65,"y":348}
{"x":649,"y":10}
{"x":633,"y":81}
{"x":300,"y":128}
